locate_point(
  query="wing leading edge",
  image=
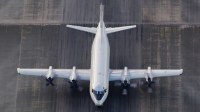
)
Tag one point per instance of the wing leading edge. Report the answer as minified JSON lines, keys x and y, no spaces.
{"x":83,"y":74}
{"x":142,"y":73}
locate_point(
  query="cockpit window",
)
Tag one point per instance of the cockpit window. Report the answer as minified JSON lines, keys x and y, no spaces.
{"x":98,"y":94}
{"x":101,"y":92}
{"x":95,"y":92}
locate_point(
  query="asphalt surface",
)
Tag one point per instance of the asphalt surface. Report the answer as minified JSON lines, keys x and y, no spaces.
{"x":158,"y":46}
{"x":33,"y":35}
{"x":116,"y":12}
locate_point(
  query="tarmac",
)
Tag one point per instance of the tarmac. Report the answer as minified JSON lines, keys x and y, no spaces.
{"x":87,"y":12}
{"x":33,"y":35}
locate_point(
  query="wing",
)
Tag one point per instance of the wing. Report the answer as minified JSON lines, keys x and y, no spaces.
{"x":86,"y":29}
{"x":115,"y":75}
{"x":134,"y":74}
{"x":83,"y":74}
{"x":141,"y":73}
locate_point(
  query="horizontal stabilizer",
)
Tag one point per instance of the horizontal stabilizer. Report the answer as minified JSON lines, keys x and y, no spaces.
{"x":86,"y":29}
{"x":116,"y":29}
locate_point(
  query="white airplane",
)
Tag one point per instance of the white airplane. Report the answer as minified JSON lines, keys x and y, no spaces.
{"x":100,"y":74}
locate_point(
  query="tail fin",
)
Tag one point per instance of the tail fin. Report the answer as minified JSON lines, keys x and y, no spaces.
{"x":94,"y":30}
{"x":86,"y":29}
{"x":116,"y":29}
{"x":101,"y":15}
{"x":101,"y":12}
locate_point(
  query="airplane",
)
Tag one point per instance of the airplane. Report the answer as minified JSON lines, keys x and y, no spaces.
{"x":100,"y":74}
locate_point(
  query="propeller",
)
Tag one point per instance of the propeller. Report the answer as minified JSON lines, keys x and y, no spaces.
{"x":149,"y":82}
{"x":74,"y":85}
{"x":133,"y":85}
{"x":118,"y":84}
{"x":124,"y":92}
{"x":125,"y":85}
{"x":49,"y":82}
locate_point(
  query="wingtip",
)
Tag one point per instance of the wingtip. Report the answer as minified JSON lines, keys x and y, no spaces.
{"x":181,"y":71}
{"x":133,"y":26}
{"x":18,"y":71}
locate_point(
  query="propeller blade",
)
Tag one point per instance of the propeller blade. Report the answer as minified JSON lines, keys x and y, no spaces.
{"x":133,"y":85}
{"x":43,"y":87}
{"x":124,"y":92}
{"x":69,"y":90}
{"x":150,"y":90}
{"x":47,"y":84}
{"x":80,"y":88}
{"x":52,"y":83}
{"x":157,"y":81}
{"x":118,"y":84}
{"x":141,"y":83}
{"x":43,"y":77}
{"x":74,"y":85}
{"x":55,"y":87}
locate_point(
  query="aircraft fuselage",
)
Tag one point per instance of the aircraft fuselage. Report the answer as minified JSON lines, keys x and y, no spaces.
{"x":99,"y":80}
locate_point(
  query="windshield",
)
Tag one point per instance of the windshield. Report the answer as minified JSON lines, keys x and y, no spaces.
{"x":98,"y":94}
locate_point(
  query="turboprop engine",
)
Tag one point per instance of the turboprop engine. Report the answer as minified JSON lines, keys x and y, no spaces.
{"x":73,"y":80}
{"x":149,"y":80}
{"x":125,"y":82}
{"x":49,"y":78}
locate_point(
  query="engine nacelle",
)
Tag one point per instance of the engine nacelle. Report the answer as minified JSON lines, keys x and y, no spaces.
{"x":50,"y":73}
{"x":73,"y":80}
{"x":125,"y":76}
{"x":49,"y":78}
{"x":125,"y":81}
{"x":149,"y":75}
{"x":73,"y":75}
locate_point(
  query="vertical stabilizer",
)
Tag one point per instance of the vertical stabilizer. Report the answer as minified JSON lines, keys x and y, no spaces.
{"x":101,"y":14}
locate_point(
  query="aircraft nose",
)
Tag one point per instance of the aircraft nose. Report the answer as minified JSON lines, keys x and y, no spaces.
{"x":98,"y":103}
